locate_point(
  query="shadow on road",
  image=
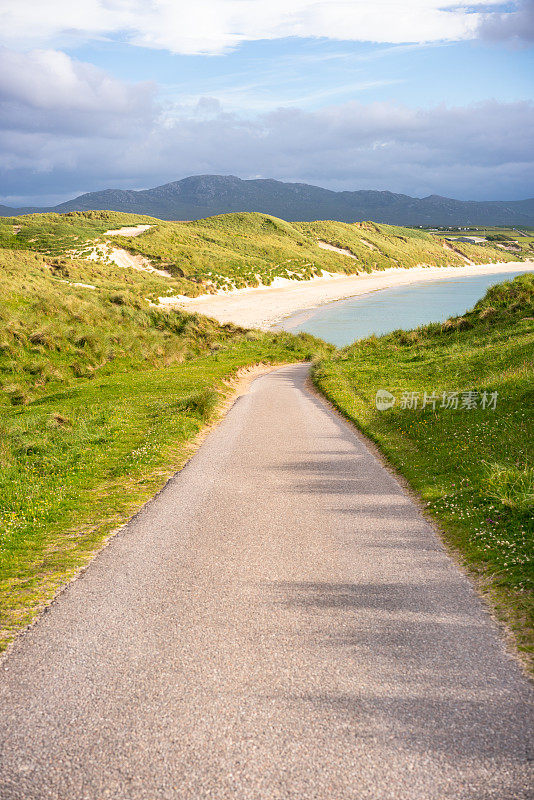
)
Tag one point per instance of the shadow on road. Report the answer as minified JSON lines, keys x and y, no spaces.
{"x":427,"y":653}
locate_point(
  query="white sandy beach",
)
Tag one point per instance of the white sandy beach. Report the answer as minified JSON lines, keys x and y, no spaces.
{"x":265,"y":306}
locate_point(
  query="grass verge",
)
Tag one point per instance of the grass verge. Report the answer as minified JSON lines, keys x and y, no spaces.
{"x":78,"y":463}
{"x":473,"y":465}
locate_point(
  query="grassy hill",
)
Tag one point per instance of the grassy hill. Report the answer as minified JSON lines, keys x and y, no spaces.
{"x":237,"y":250}
{"x":101,"y":395}
{"x":472,"y":466}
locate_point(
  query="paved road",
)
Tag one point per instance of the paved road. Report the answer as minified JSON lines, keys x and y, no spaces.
{"x":279,"y":622}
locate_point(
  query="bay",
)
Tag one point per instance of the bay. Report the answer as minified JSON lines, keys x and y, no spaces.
{"x":386,"y":310}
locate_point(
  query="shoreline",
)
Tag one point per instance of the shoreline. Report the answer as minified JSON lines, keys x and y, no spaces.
{"x":266,"y":306}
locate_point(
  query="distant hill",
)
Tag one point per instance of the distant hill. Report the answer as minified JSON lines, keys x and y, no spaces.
{"x":206,"y":195}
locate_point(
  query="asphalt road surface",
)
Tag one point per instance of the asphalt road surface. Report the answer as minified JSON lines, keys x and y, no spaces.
{"x":279,"y":622}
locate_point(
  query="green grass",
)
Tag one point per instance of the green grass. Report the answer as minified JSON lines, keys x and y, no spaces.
{"x":473,"y":468}
{"x":53,"y":330}
{"x":237,"y":250}
{"x":102,"y":390}
{"x":379,"y":246}
{"x":55,"y":234}
{"x":101,"y":395}
{"x":243,"y":249}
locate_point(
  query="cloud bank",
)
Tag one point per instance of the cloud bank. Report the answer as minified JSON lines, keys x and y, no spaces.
{"x":70,"y":125}
{"x":47,"y":90}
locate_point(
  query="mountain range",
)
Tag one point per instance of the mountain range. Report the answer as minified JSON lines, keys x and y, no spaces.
{"x":206,"y":195}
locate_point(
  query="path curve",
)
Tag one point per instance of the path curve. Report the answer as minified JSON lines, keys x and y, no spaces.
{"x":279,"y":622}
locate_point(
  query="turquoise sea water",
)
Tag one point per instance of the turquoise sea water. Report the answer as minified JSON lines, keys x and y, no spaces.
{"x":386,"y":310}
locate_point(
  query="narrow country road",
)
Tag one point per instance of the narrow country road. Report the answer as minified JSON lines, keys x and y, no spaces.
{"x":279,"y":622}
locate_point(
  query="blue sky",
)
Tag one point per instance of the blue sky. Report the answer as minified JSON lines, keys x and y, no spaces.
{"x":409,"y":96}
{"x":312,"y":73}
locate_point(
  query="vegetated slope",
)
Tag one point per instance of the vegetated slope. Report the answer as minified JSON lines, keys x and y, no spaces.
{"x":383,"y":246}
{"x":517,"y":240}
{"x":205,"y":195}
{"x":472,"y":466}
{"x":57,"y":234}
{"x":237,"y":250}
{"x":101,"y":394}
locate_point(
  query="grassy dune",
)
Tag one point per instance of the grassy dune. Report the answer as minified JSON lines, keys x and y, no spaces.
{"x":55,"y":234}
{"x":237,"y":250}
{"x":101,"y":396}
{"x":472,"y":467}
{"x":382,"y":246}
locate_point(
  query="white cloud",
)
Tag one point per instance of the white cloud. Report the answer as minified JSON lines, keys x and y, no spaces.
{"x":47,"y":90}
{"x":68,"y":127}
{"x":216,"y":26}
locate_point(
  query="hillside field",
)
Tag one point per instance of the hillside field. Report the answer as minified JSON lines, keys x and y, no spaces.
{"x":518,"y":240}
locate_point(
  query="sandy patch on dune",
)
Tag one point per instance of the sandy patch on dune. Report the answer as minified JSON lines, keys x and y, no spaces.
{"x":81,"y":285}
{"x":342,"y":250}
{"x":448,"y":246}
{"x":133,"y":231}
{"x":122,"y":258}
